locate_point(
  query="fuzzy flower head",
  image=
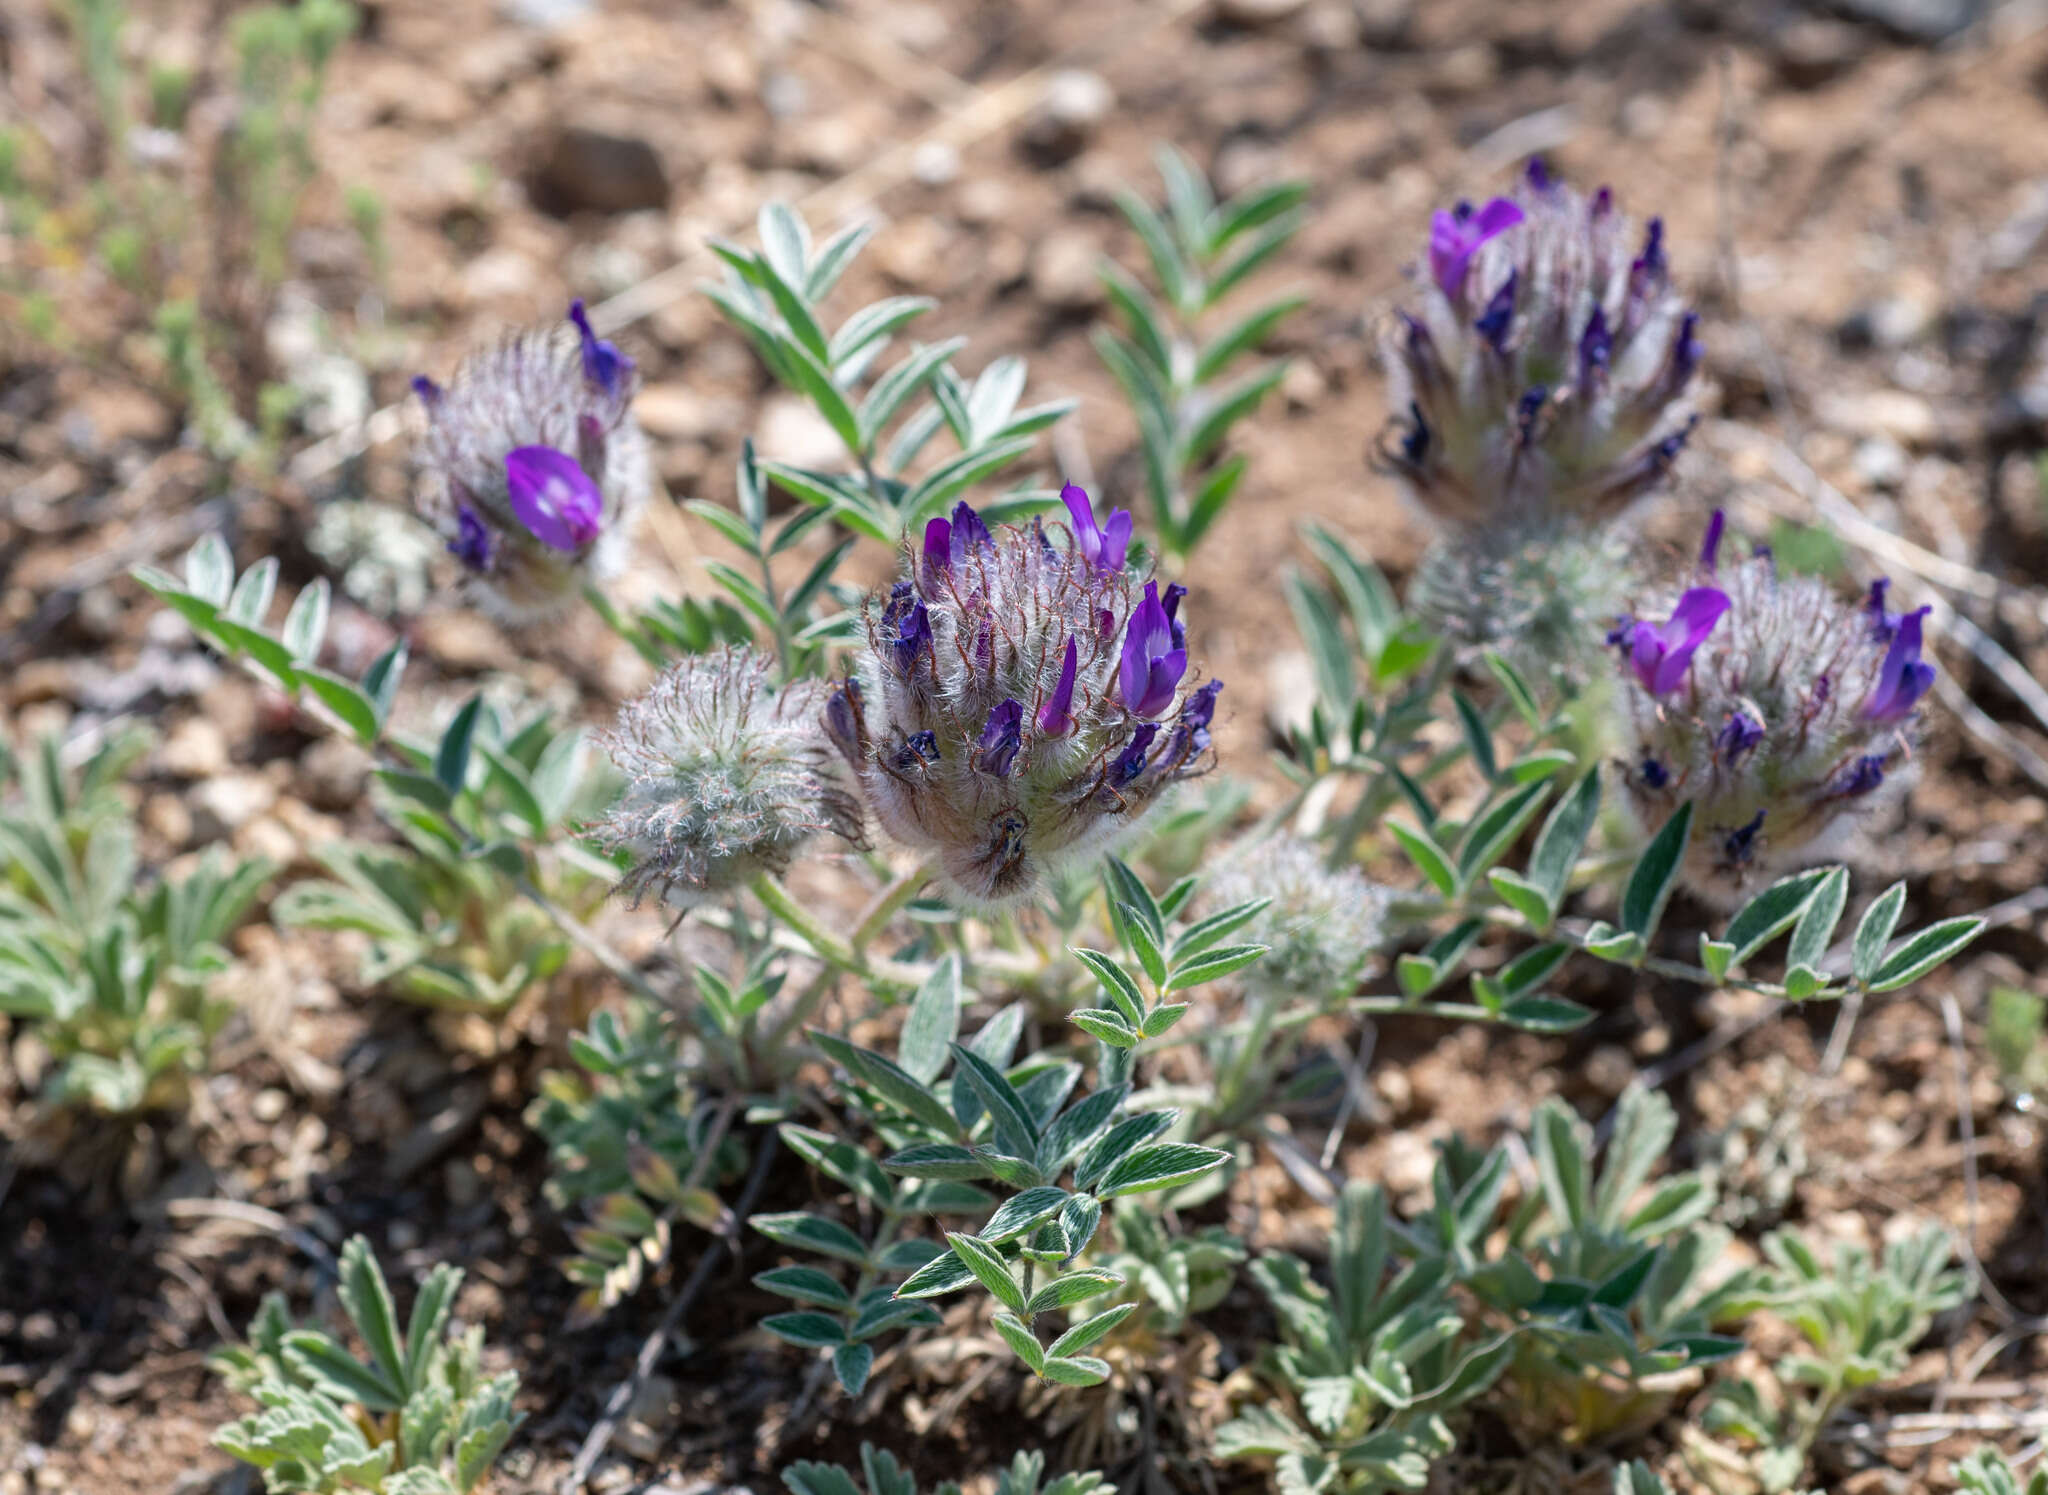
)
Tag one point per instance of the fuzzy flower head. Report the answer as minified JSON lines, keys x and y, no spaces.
{"x":1539,"y":599}
{"x":1024,"y":696}
{"x":1321,"y":926}
{"x":727,"y":778}
{"x":1779,"y":710}
{"x":1544,"y":370}
{"x":532,"y":466}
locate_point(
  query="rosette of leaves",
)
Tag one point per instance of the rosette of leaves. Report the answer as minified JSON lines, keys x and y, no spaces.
{"x":881,"y":1474}
{"x":442,"y":909}
{"x":626,"y":1140}
{"x":1186,"y":384}
{"x":416,"y":1416}
{"x":1986,"y":1472}
{"x":1860,"y":1318}
{"x":117,"y":974}
{"x":1604,"y":1282}
{"x":994,"y":1118}
{"x":774,"y":295}
{"x":1367,"y":1366}
{"x":1171,"y":1275}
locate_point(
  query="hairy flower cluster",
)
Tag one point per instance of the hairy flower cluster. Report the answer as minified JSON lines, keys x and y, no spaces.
{"x":728,"y":778}
{"x":1539,"y":600}
{"x":532,"y":466}
{"x":1544,"y":374}
{"x":1021,"y":700}
{"x":1777,"y":709}
{"x":1322,"y":926}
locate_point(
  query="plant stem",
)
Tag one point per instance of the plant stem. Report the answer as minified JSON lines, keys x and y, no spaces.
{"x":828,"y":946}
{"x":888,"y":903}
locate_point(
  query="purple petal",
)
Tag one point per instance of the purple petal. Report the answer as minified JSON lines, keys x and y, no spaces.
{"x":1710,"y":550}
{"x":969,"y":533}
{"x":1131,"y":761}
{"x":428,"y":391}
{"x":1455,"y":237}
{"x":1596,"y":349}
{"x":1415,"y":440}
{"x":1497,"y":217}
{"x":1537,"y":174}
{"x":1741,"y":733}
{"x":1740,"y":845}
{"x":938,"y":550}
{"x":1884,"y":623}
{"x":1655,"y":775}
{"x":1116,"y":540}
{"x":1864,"y":776}
{"x":1000,"y":738}
{"x":1087,"y":535}
{"x":1171,"y":602}
{"x":1499,"y":316}
{"x":472,"y":542}
{"x":553,"y":497}
{"x":1055,"y":717}
{"x":1660,"y":655}
{"x":1903,"y":678}
{"x":603,"y":364}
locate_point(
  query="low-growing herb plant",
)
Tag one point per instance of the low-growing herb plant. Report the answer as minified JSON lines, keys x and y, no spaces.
{"x":415,"y":1416}
{"x":881,"y":1474}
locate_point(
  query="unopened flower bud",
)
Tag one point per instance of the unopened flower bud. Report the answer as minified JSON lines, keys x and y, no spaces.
{"x":1322,"y":926}
{"x":531,"y":465}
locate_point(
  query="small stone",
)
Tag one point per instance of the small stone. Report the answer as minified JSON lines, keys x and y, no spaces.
{"x":792,"y":431}
{"x":1466,"y":70}
{"x":405,"y":1236}
{"x":268,"y":839}
{"x":1073,"y":109}
{"x":1384,"y":23}
{"x":1808,"y":53}
{"x":935,"y":163}
{"x":1609,"y":1069}
{"x":333,"y":773}
{"x":268,"y":1104}
{"x":461,"y":640}
{"x":546,"y":14}
{"x":1409,"y":1162}
{"x":197,"y":749}
{"x":1906,"y":418}
{"x":590,"y":170}
{"x":1256,"y":12}
{"x":1881,"y":463}
{"x":1064,"y":270}
{"x":1303,"y":385}
{"x":673,"y":412}
{"x":165,"y":817}
{"x":650,"y":1419}
{"x":1924,"y":21}
{"x":500,"y":274}
{"x":225,"y":803}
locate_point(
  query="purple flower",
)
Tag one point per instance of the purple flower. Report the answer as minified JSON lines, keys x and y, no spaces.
{"x":1739,"y":735}
{"x":938,"y":551}
{"x":1455,"y":237}
{"x":1191,"y":735}
{"x":1884,"y":623}
{"x":911,"y":619}
{"x":428,"y":391}
{"x":1661,"y":654}
{"x":603,"y":364}
{"x":1055,"y":717}
{"x":1171,"y":602}
{"x":553,"y":497}
{"x":1131,"y":761}
{"x":918,"y":749}
{"x":1710,"y":549}
{"x":1415,"y":441}
{"x":1537,"y":174}
{"x":1499,"y":316}
{"x":842,"y":716}
{"x":1863,"y":777}
{"x":1686,"y":350}
{"x":1151,"y":666}
{"x":472,"y":542}
{"x":1649,"y":266}
{"x":1904,"y":677}
{"x":969,"y":533}
{"x":1527,"y":409}
{"x":1102,"y":545}
{"x":1655,"y":775}
{"x":1000,"y":738}
{"x":1596,"y":350}
{"x":1602,"y":205}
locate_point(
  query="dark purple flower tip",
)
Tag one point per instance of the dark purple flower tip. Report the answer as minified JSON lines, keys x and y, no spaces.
{"x":1660,"y":655}
{"x":1537,"y":174}
{"x":1596,"y":350}
{"x":1499,"y":316}
{"x":1862,"y":777}
{"x":1151,"y":666}
{"x":842,"y":716}
{"x":1741,"y":733}
{"x":1686,"y":350}
{"x":1823,"y":687}
{"x":1740,"y":845}
{"x":1055,"y":717}
{"x":1102,"y":546}
{"x":1455,"y":237}
{"x":918,"y":749}
{"x":553,"y":497}
{"x":938,"y":550}
{"x":1883,"y":621}
{"x":472,"y":542}
{"x":1602,"y":205}
{"x":428,"y":391}
{"x":1191,"y":733}
{"x":603,"y":364}
{"x":1710,"y":548}
{"x":1001,"y":736}
{"x":1650,"y":264}
{"x":1904,"y":677}
{"x":1527,"y":411}
{"x":1415,"y":441}
{"x":1131,"y":761}
{"x":912,"y":622}
{"x":1654,"y":774}
{"x":1171,"y":602}
{"x":969,"y":533}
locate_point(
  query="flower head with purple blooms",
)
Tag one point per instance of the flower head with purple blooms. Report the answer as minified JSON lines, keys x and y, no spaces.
{"x":1022,"y":699}
{"x":1661,"y":653}
{"x":1544,"y":366}
{"x":1796,"y":714}
{"x":531,"y":465}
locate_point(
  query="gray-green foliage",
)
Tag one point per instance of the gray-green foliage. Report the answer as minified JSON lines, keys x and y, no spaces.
{"x":1860,"y":1318}
{"x":117,"y":970}
{"x":1369,"y":1364}
{"x":1603,"y":1273}
{"x":281,"y":56}
{"x":881,"y":1474}
{"x":1986,"y":1472}
{"x":625,"y":1137}
{"x":2016,"y":1033}
{"x":414,"y":1416}
{"x":775,"y":295}
{"x":955,"y":1115}
{"x":1181,"y":384}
